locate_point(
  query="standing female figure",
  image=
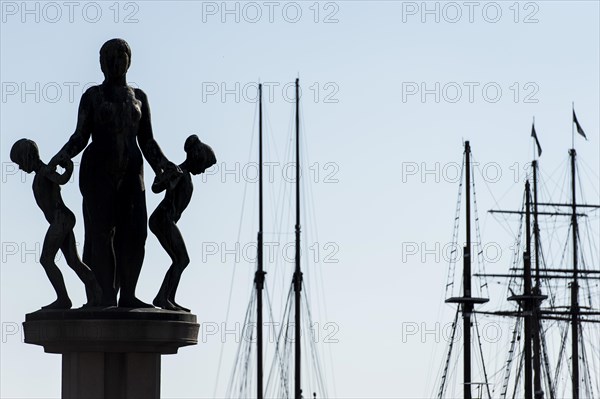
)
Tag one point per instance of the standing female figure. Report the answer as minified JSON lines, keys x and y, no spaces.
{"x":117,"y":119}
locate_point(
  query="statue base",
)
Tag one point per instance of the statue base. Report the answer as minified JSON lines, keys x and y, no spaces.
{"x":113,"y":352}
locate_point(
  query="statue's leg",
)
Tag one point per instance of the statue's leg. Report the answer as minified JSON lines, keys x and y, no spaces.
{"x":158,"y":222}
{"x":130,"y":238}
{"x":171,"y":240}
{"x":182,"y":261}
{"x":52,"y":241}
{"x":92,"y":289}
{"x":99,"y":219}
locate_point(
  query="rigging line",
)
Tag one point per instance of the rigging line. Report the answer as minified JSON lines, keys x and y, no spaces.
{"x":514,"y":281}
{"x":313,"y":226}
{"x":275,"y":199}
{"x":485,"y":375}
{"x":587,"y":379}
{"x":281,"y":358}
{"x":270,"y":327}
{"x":560,"y":355}
{"x":319,"y":372}
{"x":308,"y":372}
{"x":453,"y":369}
{"x":557,"y":185}
{"x":496,"y":203}
{"x":511,"y":354}
{"x":547,"y":371}
{"x":324,"y":303}
{"x":583,"y":264}
{"x":289,"y":197}
{"x":588,"y":170}
{"x":518,"y":375}
{"x":314,"y":350}
{"x":313,"y":276}
{"x":246,"y":376}
{"x":454,"y":253}
{"x":593,"y":245}
{"x":582,"y":253}
{"x":272,"y":319}
{"x":281,"y":371}
{"x":236,"y":263}
{"x":480,"y":258}
{"x":232,"y":379}
{"x":595,"y":365}
{"x":280,"y":204}
{"x":503,"y":221}
{"x":433,"y":359}
{"x":286,"y":205}
{"x":564,"y":253}
{"x":448,"y":357}
{"x":285,"y":161}
{"x":543,"y":265}
{"x":442,"y":373}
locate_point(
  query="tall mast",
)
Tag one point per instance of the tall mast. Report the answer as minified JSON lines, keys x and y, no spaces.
{"x":536,"y":226}
{"x":259,"y":277}
{"x":574,"y":286}
{"x":537,"y":293}
{"x":467,"y":301}
{"x":467,"y":306}
{"x":297,"y":272}
{"x":527,"y":295}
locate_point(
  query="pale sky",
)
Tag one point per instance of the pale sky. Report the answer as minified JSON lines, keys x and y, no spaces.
{"x":391,"y":90}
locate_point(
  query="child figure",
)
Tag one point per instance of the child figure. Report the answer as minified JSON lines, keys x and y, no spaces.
{"x":162,"y":222}
{"x":46,"y":190}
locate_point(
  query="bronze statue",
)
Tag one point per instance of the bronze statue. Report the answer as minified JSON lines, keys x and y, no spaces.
{"x":46,"y":190}
{"x":163,"y":221}
{"x":117,"y":118}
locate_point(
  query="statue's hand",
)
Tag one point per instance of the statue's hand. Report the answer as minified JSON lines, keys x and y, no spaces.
{"x":171,"y":169}
{"x":160,"y":183}
{"x":58,"y":159}
{"x":66,"y":164}
{"x":167,"y":179}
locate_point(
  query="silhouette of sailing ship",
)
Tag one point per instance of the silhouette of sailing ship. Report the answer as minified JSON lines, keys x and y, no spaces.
{"x":553,"y":295}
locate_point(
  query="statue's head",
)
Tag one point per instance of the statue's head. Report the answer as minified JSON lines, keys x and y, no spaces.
{"x":199,"y":155}
{"x":115,"y":58}
{"x":25,"y":153}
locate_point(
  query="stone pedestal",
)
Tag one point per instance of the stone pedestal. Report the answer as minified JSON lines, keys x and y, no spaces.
{"x":111,"y":353}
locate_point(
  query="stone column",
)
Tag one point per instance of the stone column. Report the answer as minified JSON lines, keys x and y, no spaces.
{"x":111,"y":353}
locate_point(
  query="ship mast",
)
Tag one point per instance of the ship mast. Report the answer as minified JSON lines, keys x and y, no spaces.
{"x":537,"y":294}
{"x":297,"y":280}
{"x":259,"y":277}
{"x":574,"y":286}
{"x":526,"y":302}
{"x":467,"y":302}
{"x":527,"y":294}
{"x":467,"y":306}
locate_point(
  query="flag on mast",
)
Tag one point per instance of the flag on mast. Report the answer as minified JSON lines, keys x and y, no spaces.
{"x":537,"y":142}
{"x":576,"y":122}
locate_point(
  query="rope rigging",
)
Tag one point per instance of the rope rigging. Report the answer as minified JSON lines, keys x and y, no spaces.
{"x":455,"y":247}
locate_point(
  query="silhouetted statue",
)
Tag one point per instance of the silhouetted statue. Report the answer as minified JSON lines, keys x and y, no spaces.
{"x":117,"y":118}
{"x":46,"y":190}
{"x":163,"y":220}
